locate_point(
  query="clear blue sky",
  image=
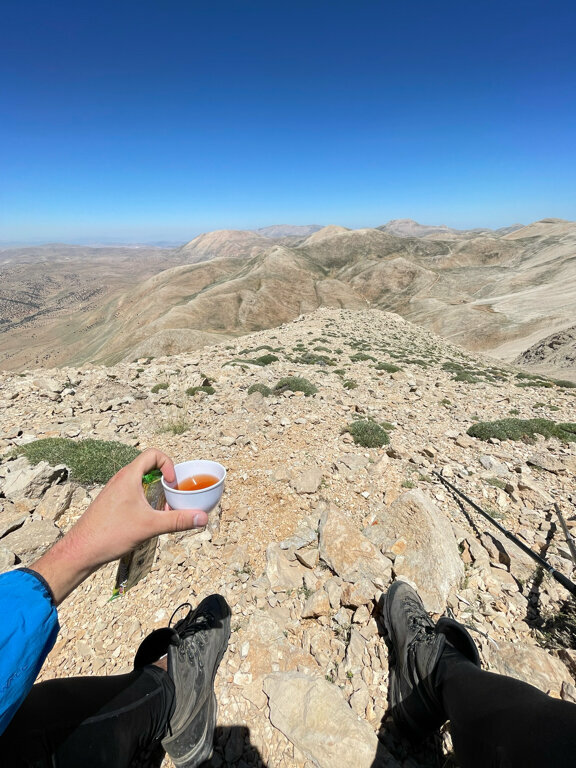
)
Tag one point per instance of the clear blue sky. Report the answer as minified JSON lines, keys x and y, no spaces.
{"x":159,"y":119}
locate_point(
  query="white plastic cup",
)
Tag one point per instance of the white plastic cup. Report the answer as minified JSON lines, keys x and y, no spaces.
{"x":206,"y":498}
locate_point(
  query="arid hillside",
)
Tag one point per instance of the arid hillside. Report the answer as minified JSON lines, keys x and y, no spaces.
{"x":332,"y":429}
{"x":496,"y":292}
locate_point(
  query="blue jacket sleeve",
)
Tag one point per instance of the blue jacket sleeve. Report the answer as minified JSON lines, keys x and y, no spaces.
{"x":28,"y":631}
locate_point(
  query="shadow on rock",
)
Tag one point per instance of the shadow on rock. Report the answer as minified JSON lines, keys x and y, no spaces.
{"x":232,"y":746}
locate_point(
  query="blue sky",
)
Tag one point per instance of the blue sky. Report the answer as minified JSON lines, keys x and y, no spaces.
{"x":149,"y":120}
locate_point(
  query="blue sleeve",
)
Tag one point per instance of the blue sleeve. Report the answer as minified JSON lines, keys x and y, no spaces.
{"x":28,"y":631}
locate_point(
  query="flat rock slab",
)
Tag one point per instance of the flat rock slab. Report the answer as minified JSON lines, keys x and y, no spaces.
{"x":313,"y":714}
{"x":31,"y":540}
{"x":283,"y":573}
{"x":531,"y":664}
{"x":349,"y":553}
{"x":431,"y":558}
{"x":24,"y":481}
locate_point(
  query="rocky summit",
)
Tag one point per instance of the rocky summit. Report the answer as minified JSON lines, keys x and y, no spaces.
{"x":314,"y":525}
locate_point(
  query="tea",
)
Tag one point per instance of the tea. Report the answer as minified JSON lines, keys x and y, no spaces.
{"x":197,"y":482}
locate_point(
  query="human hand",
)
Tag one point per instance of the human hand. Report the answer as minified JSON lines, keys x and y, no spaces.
{"x":117,"y":521}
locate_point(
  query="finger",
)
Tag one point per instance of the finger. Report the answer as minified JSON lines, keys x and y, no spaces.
{"x":152,"y":458}
{"x":176,"y":520}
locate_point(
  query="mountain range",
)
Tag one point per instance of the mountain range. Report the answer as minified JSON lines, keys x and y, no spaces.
{"x":494,"y":291}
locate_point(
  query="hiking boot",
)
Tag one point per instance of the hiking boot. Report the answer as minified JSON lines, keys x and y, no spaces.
{"x":195,"y":646}
{"x":417,"y":645}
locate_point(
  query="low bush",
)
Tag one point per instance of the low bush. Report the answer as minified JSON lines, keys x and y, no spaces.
{"x":157,"y":387}
{"x":466,"y":376}
{"x":359,"y":357}
{"x":261,"y":361}
{"x":564,"y":383}
{"x":262,"y":388}
{"x":296,"y":384}
{"x":367,"y":433}
{"x":388,"y":367}
{"x":311,"y":358}
{"x":523,"y":429}
{"x":349,"y":384}
{"x":204,"y":388}
{"x":89,"y":462}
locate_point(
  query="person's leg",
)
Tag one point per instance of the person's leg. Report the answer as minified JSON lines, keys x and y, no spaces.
{"x":495,"y":721}
{"x":499,"y":721}
{"x":129,"y":720}
{"x":115,"y":721}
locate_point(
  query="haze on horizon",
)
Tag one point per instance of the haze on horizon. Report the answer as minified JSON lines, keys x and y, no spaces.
{"x":147,"y":122}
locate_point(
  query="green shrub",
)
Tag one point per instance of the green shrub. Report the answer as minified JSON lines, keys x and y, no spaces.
{"x":177,"y":427}
{"x":157,"y":387}
{"x":466,"y":376}
{"x":296,"y":384}
{"x":89,"y":461}
{"x":496,"y":482}
{"x":450,"y":365}
{"x":262,"y":388}
{"x":262,"y":360}
{"x":388,"y":367}
{"x":367,"y":433}
{"x":523,"y":429}
{"x":564,"y":383}
{"x":361,"y":356}
{"x":257,"y":349}
{"x":349,"y":384}
{"x":310,"y":358}
{"x":535,"y":383}
{"x":204,"y":388}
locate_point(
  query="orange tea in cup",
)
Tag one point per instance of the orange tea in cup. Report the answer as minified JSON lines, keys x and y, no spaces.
{"x":197,"y":482}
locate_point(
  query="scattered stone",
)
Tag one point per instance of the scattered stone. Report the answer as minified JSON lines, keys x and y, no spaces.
{"x":431,"y":559}
{"x":32,"y":540}
{"x":308,"y":482}
{"x":23,"y":480}
{"x":316,"y":605}
{"x":313,"y":714}
{"x":282,"y":573}
{"x":55,"y":501}
{"x":349,"y":553}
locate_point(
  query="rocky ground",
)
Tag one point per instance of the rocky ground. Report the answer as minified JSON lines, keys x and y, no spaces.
{"x":312,"y":527}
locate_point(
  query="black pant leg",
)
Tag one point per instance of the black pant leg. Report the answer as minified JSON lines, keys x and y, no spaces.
{"x":91,"y":722}
{"x":499,"y":722}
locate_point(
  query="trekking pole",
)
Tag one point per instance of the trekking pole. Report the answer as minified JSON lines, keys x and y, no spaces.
{"x":566,"y":583}
{"x":567,"y":533}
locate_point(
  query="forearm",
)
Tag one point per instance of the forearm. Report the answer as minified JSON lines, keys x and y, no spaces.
{"x":65,"y":566}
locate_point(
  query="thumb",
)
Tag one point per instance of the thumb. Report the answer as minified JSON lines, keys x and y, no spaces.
{"x":176,"y":520}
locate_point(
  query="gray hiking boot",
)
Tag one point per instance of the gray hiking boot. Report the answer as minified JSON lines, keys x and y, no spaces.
{"x":198,"y":643}
{"x":417,"y":645}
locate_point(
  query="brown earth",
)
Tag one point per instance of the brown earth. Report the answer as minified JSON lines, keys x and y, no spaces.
{"x":497,"y":292}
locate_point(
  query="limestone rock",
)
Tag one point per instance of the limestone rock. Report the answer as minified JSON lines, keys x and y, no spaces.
{"x":7,"y":559}
{"x":360,"y":593}
{"x":532,"y":664}
{"x":316,"y":605}
{"x":349,"y":553}
{"x":11,"y":517}
{"x":309,"y":481}
{"x":282,"y":573}
{"x":431,"y":559}
{"x":313,"y":714}
{"x":32,"y":540}
{"x":31,"y":482}
{"x":545,"y":461}
{"x":55,"y":501}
